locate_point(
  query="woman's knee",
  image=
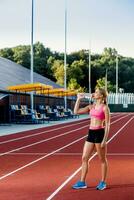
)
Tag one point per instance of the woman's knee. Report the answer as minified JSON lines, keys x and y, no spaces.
{"x":103,"y":159}
{"x":85,"y":158}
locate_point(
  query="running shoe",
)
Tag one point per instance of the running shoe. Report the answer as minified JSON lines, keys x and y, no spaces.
{"x":79,"y":185}
{"x":101,"y":186}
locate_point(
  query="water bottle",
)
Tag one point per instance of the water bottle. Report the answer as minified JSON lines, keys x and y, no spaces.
{"x":87,"y":95}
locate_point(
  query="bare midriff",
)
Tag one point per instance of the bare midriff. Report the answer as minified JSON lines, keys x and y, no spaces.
{"x":96,"y":123}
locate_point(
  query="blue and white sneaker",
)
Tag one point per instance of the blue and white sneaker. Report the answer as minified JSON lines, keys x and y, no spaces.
{"x":79,"y":185}
{"x":101,"y":186}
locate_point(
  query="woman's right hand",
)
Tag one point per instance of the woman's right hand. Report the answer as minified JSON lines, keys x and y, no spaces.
{"x":80,"y":95}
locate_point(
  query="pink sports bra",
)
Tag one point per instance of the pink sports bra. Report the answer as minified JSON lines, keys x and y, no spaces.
{"x":97,"y":113}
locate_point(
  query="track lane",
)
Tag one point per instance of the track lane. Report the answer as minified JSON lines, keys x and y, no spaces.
{"x":73,"y":160}
{"x":27,"y":142}
{"x":120,"y":182}
{"x":76,"y":172}
{"x":50,"y":146}
{"x":125,"y":142}
{"x":120,"y":177}
{"x":35,"y":132}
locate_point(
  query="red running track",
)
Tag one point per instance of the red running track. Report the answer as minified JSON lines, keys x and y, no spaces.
{"x":34,"y":164}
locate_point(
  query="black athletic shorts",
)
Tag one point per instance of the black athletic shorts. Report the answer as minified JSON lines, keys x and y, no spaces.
{"x":95,"y":136}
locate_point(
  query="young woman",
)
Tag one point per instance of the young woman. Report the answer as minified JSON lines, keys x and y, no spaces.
{"x":97,"y":136}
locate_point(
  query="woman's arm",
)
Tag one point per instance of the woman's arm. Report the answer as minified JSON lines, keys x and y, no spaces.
{"x":107,"y":123}
{"x":78,"y":110}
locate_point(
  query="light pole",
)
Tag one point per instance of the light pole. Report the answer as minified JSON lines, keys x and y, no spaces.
{"x":117,"y":64}
{"x":65,"y":56}
{"x":32,"y":63}
{"x":106,"y":80}
{"x":89,"y":63}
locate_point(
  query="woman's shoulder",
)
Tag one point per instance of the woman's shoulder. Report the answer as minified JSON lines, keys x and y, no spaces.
{"x":105,"y":107}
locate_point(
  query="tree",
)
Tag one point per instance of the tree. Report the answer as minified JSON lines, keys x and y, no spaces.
{"x":50,"y":64}
{"x":109,"y":52}
{"x":102,"y":83}
{"x":58,"y":71}
{"x":75,"y":71}
{"x":7,"y":53}
{"x":21,"y":55}
{"x":73,"y":85}
{"x":41,"y":55}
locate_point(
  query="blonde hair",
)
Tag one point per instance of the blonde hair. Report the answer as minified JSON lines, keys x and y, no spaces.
{"x":104,"y":93}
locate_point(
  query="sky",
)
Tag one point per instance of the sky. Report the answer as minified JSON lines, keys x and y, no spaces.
{"x":93,"y":24}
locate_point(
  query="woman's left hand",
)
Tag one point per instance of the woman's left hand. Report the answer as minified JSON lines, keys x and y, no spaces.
{"x":103,"y":144}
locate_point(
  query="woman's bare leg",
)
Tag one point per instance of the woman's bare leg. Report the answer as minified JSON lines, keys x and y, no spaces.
{"x":87,"y":152}
{"x":102,"y":156}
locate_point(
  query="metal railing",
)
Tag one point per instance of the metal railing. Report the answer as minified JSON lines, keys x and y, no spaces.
{"x":121,"y":98}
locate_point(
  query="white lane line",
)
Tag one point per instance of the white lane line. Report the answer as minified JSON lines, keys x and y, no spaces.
{"x":120,"y":129}
{"x":42,"y":141}
{"x":67,"y":154}
{"x":37,"y":160}
{"x":78,"y":170}
{"x":119,"y":119}
{"x":42,"y":132}
{"x":51,"y":138}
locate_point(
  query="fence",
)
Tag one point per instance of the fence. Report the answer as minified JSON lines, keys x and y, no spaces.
{"x":121,"y":98}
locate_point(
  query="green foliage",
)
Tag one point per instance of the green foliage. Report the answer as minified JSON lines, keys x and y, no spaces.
{"x":7,"y":53}
{"x":102,"y":83}
{"x":75,"y":70}
{"x":21,"y":55}
{"x":58,"y":71}
{"x":73,"y":85}
{"x":51,"y":65}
